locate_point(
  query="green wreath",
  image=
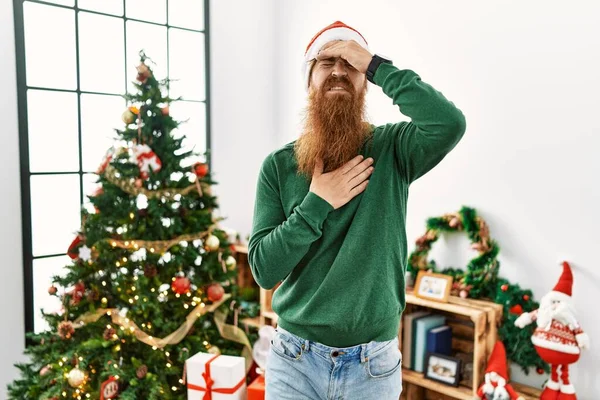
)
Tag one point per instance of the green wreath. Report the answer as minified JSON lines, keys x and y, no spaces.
{"x":480,"y":280}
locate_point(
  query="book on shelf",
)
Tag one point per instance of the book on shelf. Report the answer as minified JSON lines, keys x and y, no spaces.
{"x":439,"y":340}
{"x":420,"y":329}
{"x":408,"y":337}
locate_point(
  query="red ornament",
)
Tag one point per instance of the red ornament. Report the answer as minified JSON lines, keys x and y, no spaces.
{"x":181,"y":285}
{"x":77,"y":293}
{"x":109,"y":389}
{"x":52,"y":290}
{"x":138,"y":183}
{"x":215,"y":292}
{"x":165,"y":110}
{"x":526,"y":297}
{"x":504,"y":287}
{"x":516,"y":309}
{"x":201,"y":169}
{"x":540,"y":370}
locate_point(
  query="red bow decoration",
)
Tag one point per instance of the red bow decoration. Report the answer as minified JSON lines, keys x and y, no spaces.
{"x":209,"y":383}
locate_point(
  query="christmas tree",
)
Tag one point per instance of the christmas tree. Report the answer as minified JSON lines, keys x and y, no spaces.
{"x":152,"y":280}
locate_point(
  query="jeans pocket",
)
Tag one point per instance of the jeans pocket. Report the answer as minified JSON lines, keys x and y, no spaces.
{"x":286,"y":348}
{"x":386,"y":362}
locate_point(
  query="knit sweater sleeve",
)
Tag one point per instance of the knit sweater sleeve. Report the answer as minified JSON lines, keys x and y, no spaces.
{"x":436,"y":125}
{"x":277,"y":244}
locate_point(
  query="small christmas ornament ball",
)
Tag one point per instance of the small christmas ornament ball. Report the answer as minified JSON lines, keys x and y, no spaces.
{"x":165,"y":110}
{"x":464,"y":294}
{"x":526,"y":297}
{"x":66,"y":329}
{"x":150,"y":271}
{"x":201,"y":169}
{"x":181,"y":285}
{"x":504,"y":287}
{"x":215,"y":292}
{"x":76,"y":377}
{"x":45,"y":370}
{"x":141,"y":372}
{"x":540,"y":370}
{"x":214,"y":350}
{"x":52,"y":290}
{"x":109,"y":334}
{"x":230,"y":262}
{"x":212,"y":243}
{"x":138,"y":183}
{"x":128,"y":117}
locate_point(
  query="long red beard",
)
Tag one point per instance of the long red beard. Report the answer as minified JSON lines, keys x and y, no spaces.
{"x":334,"y":128}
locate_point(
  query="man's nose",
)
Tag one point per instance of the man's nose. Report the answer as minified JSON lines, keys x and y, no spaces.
{"x":339,"y":68}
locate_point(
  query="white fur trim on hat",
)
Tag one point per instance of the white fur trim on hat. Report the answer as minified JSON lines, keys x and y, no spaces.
{"x":560,"y":296}
{"x":329,"y":35}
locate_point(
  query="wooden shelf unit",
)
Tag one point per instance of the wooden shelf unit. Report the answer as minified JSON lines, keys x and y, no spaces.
{"x":482,"y":335}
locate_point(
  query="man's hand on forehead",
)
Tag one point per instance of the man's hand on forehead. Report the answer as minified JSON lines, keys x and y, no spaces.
{"x":349,"y":50}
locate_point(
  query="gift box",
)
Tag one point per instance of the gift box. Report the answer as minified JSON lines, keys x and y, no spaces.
{"x":216,"y":377}
{"x":256,"y":390}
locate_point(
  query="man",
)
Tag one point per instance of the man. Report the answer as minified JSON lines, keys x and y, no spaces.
{"x":329,"y":223}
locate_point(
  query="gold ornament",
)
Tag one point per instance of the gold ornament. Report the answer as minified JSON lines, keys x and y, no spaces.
{"x":212,"y":243}
{"x":231,"y":263}
{"x":214,"y":350}
{"x":128,"y":117}
{"x":76,"y":377}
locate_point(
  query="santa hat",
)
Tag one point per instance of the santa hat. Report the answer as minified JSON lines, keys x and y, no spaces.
{"x":564,"y":287}
{"x":336,"y":31}
{"x":497,"y":361}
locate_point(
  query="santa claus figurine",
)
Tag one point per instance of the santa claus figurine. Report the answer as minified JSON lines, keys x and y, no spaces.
{"x":496,"y":386}
{"x":558,"y":337}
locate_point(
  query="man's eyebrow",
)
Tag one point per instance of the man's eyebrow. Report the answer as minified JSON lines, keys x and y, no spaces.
{"x":331,"y":59}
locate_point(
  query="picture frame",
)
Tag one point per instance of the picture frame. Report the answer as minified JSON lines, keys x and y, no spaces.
{"x":442,"y":368}
{"x":433,"y":286}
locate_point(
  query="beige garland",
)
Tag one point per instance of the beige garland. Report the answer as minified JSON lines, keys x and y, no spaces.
{"x":173,"y":338}
{"x":129,"y":187}
{"x":235,"y":334}
{"x":160,"y":246}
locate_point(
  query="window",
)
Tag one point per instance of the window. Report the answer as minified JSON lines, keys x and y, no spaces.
{"x":75,"y":58}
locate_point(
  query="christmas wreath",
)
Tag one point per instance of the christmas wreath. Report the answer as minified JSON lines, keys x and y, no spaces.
{"x":480,"y":280}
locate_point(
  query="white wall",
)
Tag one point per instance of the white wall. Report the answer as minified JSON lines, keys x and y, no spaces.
{"x":526,"y":76}
{"x":243,"y":45}
{"x":11,"y":271}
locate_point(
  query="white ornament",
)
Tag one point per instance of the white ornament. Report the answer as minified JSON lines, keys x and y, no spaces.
{"x":212,"y":242}
{"x":85,"y":253}
{"x":230,"y":262}
{"x":164,"y":287}
{"x":76,"y":377}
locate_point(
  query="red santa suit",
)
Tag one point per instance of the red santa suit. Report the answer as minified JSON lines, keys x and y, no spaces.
{"x":558,"y":338}
{"x":496,"y":386}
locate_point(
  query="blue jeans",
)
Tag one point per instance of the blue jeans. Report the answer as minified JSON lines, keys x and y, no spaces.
{"x":299,"y":369}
